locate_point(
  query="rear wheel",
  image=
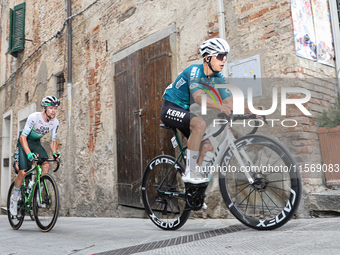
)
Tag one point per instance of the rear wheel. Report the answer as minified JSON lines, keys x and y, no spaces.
{"x":16,"y":220}
{"x":46,"y":211}
{"x":163,"y":193}
{"x":274,"y":196}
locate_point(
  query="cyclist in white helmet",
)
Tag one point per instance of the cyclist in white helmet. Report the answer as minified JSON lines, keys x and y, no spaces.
{"x":29,"y":147}
{"x":193,"y":82}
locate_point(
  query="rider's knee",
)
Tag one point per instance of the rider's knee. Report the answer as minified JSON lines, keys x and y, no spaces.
{"x":45,"y":166}
{"x":22,"y":174}
{"x":199,"y":124}
{"x":207,"y":147}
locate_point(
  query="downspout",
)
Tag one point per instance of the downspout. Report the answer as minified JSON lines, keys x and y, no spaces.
{"x":221,"y":28}
{"x":336,"y":38}
{"x":69,"y":63}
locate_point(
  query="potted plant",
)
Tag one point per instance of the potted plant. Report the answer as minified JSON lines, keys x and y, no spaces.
{"x":329,"y":136}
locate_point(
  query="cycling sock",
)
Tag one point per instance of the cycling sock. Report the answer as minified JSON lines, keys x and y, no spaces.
{"x":192,"y":157}
{"x":16,"y":193}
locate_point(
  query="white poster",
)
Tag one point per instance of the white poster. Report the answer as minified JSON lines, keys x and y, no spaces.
{"x":323,"y":31}
{"x":304,"y":36}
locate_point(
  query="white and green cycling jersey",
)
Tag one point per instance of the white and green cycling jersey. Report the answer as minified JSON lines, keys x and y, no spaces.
{"x":36,"y":127}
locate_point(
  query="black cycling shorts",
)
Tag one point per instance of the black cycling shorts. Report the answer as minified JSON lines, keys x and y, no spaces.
{"x":175,"y":116}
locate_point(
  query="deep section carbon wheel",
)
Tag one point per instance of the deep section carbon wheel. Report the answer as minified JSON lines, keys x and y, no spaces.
{"x":163,"y":193}
{"x":273,"y":198}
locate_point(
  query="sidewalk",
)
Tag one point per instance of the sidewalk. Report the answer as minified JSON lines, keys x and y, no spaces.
{"x":124,"y":236}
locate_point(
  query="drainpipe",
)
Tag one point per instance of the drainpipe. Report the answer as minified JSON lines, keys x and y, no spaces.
{"x":69,"y":63}
{"x":336,"y":38}
{"x":221,"y":28}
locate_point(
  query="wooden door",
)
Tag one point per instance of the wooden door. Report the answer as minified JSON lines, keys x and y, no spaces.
{"x":140,"y":81}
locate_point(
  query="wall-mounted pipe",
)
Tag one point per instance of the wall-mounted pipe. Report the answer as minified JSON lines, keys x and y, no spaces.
{"x":221,"y":28}
{"x":69,"y":63}
{"x":336,"y":38}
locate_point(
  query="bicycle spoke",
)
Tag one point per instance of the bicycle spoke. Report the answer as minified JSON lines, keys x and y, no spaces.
{"x":246,"y":196}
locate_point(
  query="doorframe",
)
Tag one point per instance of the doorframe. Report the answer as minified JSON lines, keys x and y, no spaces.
{"x":169,"y":31}
{"x":6,"y":153}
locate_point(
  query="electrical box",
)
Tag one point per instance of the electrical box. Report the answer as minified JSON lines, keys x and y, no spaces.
{"x":246,"y":73}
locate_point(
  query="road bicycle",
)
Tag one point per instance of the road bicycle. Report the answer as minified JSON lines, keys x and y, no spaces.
{"x":258,"y":179}
{"x":40,"y":197}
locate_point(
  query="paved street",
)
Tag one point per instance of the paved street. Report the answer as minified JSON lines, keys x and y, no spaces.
{"x":125,"y":236}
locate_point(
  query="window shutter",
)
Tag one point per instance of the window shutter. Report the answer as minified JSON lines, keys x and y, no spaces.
{"x":17,"y":29}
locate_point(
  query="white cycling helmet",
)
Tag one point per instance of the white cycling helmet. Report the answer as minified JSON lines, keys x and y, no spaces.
{"x":214,"y":46}
{"x":50,"y":101}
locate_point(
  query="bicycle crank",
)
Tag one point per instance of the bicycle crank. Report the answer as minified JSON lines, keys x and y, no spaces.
{"x":194,"y":195}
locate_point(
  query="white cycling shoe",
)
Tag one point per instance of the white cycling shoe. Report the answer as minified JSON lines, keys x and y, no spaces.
{"x":186,"y":178}
{"x":13,"y":207}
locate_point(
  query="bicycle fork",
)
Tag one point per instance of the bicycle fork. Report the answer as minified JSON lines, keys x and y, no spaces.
{"x":230,"y":142}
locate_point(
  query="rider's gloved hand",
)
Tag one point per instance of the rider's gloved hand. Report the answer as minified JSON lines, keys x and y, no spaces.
{"x":56,"y":155}
{"x":31,"y":156}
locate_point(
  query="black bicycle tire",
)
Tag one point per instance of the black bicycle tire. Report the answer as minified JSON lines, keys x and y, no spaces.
{"x":18,"y":225}
{"x":49,"y":226}
{"x":294,"y":198}
{"x":31,"y":214}
{"x":158,"y":222}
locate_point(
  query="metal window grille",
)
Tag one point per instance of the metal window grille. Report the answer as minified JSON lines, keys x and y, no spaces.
{"x":60,"y":85}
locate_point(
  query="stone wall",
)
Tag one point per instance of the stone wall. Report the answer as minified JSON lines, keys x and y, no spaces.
{"x":87,"y":181}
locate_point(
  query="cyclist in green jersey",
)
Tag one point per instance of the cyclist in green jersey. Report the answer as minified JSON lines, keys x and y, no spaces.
{"x":29,"y":147}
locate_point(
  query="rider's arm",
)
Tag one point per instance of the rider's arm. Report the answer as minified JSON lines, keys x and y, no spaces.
{"x":24,"y":144}
{"x":197,"y":95}
{"x":54,"y":146}
{"x":31,"y":120}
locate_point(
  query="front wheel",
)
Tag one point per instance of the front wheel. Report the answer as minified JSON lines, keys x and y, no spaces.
{"x":46,"y":210}
{"x":274,"y":196}
{"x":16,"y":220}
{"x":163,"y":193}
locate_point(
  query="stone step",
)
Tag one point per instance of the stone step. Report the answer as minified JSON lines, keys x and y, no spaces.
{"x":326,"y":203}
{"x":3,"y":210}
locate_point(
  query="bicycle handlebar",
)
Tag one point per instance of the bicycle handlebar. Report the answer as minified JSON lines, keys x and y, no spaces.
{"x":42,"y":160}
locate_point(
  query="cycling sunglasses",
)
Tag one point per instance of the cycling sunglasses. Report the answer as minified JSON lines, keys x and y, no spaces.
{"x":221,"y":56}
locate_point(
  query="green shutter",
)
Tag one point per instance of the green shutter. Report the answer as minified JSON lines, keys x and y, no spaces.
{"x":17,"y":29}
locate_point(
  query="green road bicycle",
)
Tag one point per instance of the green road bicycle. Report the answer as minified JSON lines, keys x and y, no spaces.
{"x":42,"y":198}
{"x":258,"y":178}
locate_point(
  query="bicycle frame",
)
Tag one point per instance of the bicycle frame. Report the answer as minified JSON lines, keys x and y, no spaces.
{"x":228,"y":140}
{"x":28,"y":199}
{"x":180,"y":157}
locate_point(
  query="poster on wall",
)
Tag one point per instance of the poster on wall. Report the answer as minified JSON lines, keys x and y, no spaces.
{"x":323,"y":32}
{"x":304,"y":35}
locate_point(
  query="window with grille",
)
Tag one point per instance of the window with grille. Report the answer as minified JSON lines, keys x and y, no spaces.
{"x":60,"y":85}
{"x":17,"y":29}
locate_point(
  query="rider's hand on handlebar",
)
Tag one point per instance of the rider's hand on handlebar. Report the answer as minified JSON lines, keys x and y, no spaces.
{"x":257,"y":108}
{"x":31,"y":156}
{"x":57,"y":156}
{"x":226,"y":110}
